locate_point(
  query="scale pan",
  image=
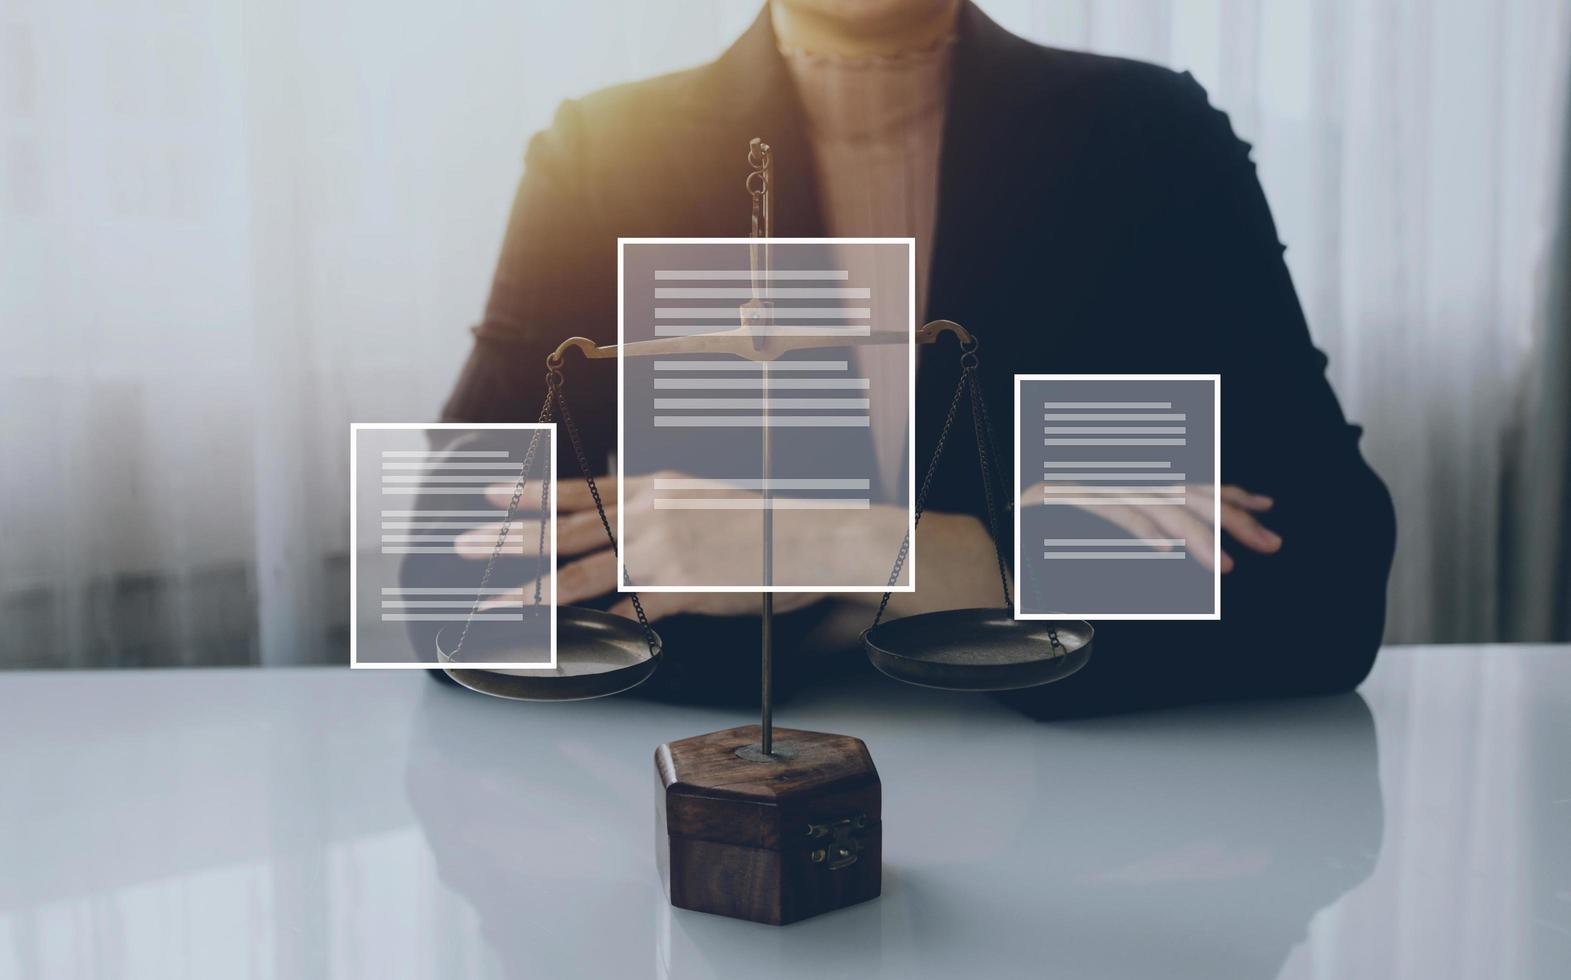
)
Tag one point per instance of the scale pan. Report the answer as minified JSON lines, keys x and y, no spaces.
{"x":976,"y":650}
{"x":597,"y":654}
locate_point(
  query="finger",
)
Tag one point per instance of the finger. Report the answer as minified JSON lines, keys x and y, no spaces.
{"x":581,"y":532}
{"x":574,"y":494}
{"x":586,"y":578}
{"x":1201,"y":498}
{"x":480,"y":542}
{"x":1249,"y":501}
{"x":1181,"y":522}
{"x":1133,"y":521}
{"x":500,"y":493}
{"x":1249,"y":532}
{"x":571,"y":495}
{"x":513,"y":597}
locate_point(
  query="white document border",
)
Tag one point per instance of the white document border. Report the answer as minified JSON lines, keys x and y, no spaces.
{"x":621,"y":339}
{"x":1216,"y":483}
{"x":354,"y":542}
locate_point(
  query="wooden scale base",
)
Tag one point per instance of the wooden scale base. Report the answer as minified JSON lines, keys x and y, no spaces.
{"x":774,"y":838}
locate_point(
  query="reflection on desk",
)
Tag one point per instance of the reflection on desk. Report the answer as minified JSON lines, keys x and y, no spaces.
{"x":322,"y":823}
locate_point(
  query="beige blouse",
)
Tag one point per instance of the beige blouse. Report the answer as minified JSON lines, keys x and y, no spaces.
{"x":876,"y":125}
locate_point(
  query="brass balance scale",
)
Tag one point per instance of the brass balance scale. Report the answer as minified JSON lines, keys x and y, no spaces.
{"x":759,"y":823}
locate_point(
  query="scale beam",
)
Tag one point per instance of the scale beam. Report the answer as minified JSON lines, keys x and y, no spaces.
{"x":744,"y":343}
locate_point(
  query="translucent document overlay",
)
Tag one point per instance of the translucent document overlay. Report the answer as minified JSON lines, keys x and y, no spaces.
{"x":765,"y":414}
{"x":416,"y":600}
{"x":1116,"y":476}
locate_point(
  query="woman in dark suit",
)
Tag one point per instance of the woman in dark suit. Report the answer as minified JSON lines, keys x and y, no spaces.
{"x":1106,"y":194}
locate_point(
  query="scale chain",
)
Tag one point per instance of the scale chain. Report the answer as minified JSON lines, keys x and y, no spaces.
{"x":921,"y":496}
{"x":987,"y":478}
{"x":987,"y":452}
{"x":980,"y":407}
{"x":554,"y":396}
{"x":555,"y":384}
{"x":507,"y":524}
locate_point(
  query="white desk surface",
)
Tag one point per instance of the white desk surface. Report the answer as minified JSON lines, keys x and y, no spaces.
{"x":326,"y":823}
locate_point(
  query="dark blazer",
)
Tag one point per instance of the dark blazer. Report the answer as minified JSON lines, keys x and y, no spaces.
{"x":1095,"y":215}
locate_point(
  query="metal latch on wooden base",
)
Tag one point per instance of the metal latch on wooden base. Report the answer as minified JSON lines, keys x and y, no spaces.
{"x":843,"y":844}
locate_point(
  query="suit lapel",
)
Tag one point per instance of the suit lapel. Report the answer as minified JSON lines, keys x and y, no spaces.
{"x":988,"y":166}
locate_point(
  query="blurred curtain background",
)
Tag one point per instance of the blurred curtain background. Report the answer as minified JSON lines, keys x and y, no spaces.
{"x":230,"y":228}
